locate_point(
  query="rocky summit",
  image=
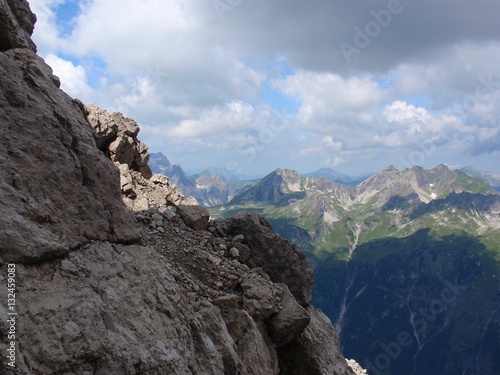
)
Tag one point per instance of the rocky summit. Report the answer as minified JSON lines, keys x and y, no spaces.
{"x":117,"y":272}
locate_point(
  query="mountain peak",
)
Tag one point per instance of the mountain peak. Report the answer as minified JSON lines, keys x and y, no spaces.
{"x":159,"y":162}
{"x":427,"y":184}
{"x":277,"y":186}
{"x":391,"y":168}
{"x":285,"y":172}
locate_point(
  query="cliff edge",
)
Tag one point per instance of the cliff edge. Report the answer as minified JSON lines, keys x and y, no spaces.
{"x":115,"y":271}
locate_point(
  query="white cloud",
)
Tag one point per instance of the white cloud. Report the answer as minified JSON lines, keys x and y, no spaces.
{"x":332,"y":163}
{"x":403,"y":113}
{"x":329,"y":101}
{"x":331,"y":144}
{"x":234,"y":116}
{"x":74,"y":79}
{"x":46,"y":34}
{"x":197,"y":84}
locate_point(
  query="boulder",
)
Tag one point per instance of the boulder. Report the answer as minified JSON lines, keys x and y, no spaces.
{"x":261,"y":297}
{"x":195,"y":217}
{"x":290,"y":320}
{"x":316,"y":351}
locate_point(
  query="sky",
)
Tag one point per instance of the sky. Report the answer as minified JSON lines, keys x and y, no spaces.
{"x":253,"y":85}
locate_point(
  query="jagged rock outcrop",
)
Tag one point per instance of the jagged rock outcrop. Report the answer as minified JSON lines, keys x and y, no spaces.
{"x":268,"y":251}
{"x":117,"y":135}
{"x":89,"y":301}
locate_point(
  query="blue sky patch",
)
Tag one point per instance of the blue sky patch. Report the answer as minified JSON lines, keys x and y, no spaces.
{"x":65,"y":15}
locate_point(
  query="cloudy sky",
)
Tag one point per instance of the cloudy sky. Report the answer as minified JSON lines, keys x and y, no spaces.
{"x":252,"y":85}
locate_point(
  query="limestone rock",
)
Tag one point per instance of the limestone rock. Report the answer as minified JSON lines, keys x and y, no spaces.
{"x":257,"y":352}
{"x":356,"y":367}
{"x":237,"y":320}
{"x":126,"y":180}
{"x":104,"y":126}
{"x":261,"y":297}
{"x":58,"y":190}
{"x":195,"y":217}
{"x":284,"y":262}
{"x":166,"y":189}
{"x":316,"y":351}
{"x":290,"y":320}
{"x":116,"y":135}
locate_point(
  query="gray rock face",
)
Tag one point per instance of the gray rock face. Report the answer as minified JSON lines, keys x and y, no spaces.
{"x":316,"y":351}
{"x":261,"y":297}
{"x":16,"y":25}
{"x":89,"y":301}
{"x":57,"y":190}
{"x":284,"y":262}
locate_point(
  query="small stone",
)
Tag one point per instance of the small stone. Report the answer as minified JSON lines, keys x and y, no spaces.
{"x":234,"y":253}
{"x":158,"y":219}
{"x":239,"y":238}
{"x":169,"y":213}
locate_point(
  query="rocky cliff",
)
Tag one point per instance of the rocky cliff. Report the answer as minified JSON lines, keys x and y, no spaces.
{"x":117,"y":273}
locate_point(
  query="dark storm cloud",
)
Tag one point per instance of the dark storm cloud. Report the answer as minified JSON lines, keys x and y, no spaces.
{"x":311,"y":32}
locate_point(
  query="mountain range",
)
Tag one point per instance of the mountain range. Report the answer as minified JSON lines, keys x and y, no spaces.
{"x":387,"y":252}
{"x":208,"y":188}
{"x":491,"y":179}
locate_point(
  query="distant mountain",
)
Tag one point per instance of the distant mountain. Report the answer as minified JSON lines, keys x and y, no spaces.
{"x":386,"y":252}
{"x":333,"y":215}
{"x":212,"y":189}
{"x":273,"y":188}
{"x":159,"y":163}
{"x":225,"y":174}
{"x":490,"y":178}
{"x":334,"y":176}
{"x":209,"y":189}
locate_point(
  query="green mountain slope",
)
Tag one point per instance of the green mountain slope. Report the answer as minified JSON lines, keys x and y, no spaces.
{"x":384,"y":250}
